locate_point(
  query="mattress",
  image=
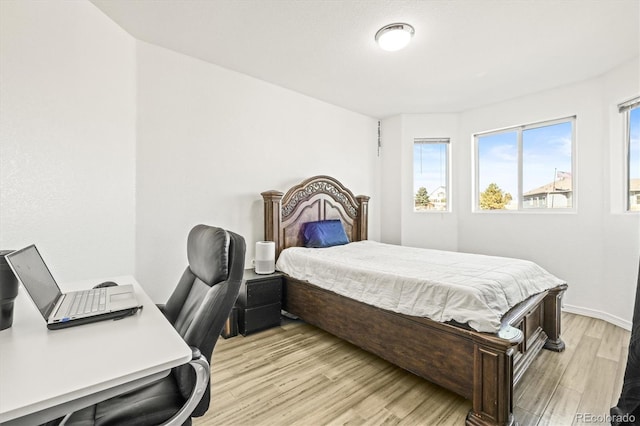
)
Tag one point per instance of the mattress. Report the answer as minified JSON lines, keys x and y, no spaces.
{"x":441,"y":285}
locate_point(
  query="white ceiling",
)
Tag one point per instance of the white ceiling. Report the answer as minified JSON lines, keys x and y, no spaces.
{"x":465,"y":53}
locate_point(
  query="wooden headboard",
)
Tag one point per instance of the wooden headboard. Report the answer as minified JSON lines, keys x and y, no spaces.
{"x":317,"y":198}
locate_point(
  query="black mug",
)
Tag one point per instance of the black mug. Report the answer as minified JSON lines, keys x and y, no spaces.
{"x":8,"y":291}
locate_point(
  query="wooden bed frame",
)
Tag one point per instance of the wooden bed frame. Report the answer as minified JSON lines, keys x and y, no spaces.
{"x":482,"y":367}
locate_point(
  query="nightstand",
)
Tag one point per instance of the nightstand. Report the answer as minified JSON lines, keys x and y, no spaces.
{"x":259,"y":301}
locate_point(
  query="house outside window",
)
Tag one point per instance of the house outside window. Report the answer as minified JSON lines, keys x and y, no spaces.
{"x":631,"y":111}
{"x":528,"y":167}
{"x":431,"y":175}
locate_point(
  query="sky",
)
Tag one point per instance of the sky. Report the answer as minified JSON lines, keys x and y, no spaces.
{"x":634,"y":151}
{"x":429,"y":166}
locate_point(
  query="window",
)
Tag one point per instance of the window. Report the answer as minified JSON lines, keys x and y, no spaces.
{"x":631,"y":110}
{"x":526,"y":167}
{"x":430,"y":174}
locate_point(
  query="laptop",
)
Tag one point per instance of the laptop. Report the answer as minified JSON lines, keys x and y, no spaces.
{"x":61,"y":310}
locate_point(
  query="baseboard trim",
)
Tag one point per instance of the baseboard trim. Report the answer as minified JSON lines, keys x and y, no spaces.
{"x":599,"y":315}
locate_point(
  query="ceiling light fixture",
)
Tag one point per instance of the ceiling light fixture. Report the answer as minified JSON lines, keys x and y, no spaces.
{"x":394,"y":37}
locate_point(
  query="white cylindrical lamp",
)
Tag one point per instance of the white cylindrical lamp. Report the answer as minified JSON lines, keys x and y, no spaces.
{"x":265,"y":262}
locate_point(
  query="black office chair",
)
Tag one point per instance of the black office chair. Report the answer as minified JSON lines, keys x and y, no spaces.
{"x":198,"y":309}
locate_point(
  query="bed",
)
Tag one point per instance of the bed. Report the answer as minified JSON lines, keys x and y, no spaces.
{"x":480,"y":366}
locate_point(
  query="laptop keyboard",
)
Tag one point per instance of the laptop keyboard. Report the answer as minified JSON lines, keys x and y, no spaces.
{"x":88,"y":301}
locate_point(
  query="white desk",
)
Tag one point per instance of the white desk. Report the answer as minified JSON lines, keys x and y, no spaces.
{"x":45,"y":374}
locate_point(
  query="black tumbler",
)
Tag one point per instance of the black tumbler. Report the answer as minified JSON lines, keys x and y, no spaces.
{"x":8,"y":291}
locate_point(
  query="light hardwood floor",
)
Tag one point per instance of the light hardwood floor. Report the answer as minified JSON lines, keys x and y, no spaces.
{"x":297,"y":374}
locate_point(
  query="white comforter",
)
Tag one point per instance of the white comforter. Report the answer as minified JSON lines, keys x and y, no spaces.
{"x":440,"y":285}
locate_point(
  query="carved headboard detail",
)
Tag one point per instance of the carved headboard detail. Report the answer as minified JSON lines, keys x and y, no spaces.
{"x":317,"y":198}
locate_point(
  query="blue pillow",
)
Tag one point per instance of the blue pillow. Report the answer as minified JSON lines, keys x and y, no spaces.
{"x":324,"y":233}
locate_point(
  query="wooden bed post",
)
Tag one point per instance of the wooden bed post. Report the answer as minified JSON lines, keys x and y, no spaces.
{"x":362,"y":222}
{"x":492,"y":390}
{"x":273,"y":218}
{"x":552,"y":318}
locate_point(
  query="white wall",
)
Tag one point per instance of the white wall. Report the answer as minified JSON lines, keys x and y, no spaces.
{"x":209,"y":140}
{"x":401,"y":225}
{"x":391,"y":180}
{"x":575,"y":252}
{"x":67,"y":137}
{"x":437,"y":229}
{"x":621,"y":229}
{"x":595,"y":248}
{"x":97,"y":129}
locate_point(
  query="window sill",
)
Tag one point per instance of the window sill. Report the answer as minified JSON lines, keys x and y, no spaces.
{"x":529,"y":212}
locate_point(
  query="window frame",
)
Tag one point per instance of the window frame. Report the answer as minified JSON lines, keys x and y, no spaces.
{"x":519,"y":129}
{"x":446,"y":141}
{"x":625,"y":108}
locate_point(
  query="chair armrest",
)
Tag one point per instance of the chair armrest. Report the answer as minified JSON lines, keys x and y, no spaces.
{"x":203,"y":375}
{"x":195,"y":353}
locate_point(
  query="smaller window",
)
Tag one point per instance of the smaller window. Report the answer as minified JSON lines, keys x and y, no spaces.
{"x":431,"y":174}
{"x":631,"y":110}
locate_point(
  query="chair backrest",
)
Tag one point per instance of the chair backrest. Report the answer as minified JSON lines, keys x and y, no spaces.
{"x":205,"y":295}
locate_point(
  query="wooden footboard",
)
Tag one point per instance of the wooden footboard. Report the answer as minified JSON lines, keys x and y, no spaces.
{"x":481,"y":367}
{"x":538,"y":318}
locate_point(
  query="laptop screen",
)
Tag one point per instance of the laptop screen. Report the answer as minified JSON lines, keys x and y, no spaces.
{"x":31,"y":270}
